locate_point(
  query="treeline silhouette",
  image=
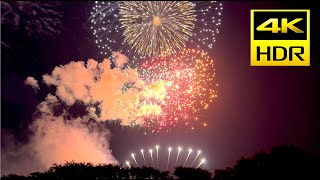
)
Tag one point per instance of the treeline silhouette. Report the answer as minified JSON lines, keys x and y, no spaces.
{"x":283,"y":162}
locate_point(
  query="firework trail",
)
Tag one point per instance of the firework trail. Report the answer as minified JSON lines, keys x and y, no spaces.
{"x":157,"y":148}
{"x":202,"y":161}
{"x":190,"y":151}
{"x":150,"y":151}
{"x":169,"y":149}
{"x":128,"y":164}
{"x":195,"y":157}
{"x":179,"y":150}
{"x":132,"y":155}
{"x":144,"y":160}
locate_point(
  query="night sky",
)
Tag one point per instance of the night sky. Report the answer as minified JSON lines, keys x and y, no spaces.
{"x":257,"y":107}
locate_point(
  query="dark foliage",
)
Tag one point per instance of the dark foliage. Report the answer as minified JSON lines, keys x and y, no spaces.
{"x":71,"y":170}
{"x":191,"y":173}
{"x":283,"y":162}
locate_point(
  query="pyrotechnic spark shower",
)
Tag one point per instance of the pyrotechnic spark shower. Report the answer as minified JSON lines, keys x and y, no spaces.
{"x":188,"y":80}
{"x":164,"y":160}
{"x":143,"y":29}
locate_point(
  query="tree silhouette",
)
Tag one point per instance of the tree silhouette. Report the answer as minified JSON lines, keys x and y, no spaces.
{"x":147,"y":173}
{"x":283,"y":162}
{"x":191,"y":173}
{"x":13,"y":177}
{"x":71,"y":170}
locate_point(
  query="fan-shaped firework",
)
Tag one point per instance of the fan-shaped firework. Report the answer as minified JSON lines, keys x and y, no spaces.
{"x":144,"y":29}
{"x":166,"y":158}
{"x":190,"y":86}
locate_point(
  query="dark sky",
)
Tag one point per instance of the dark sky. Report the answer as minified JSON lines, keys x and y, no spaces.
{"x":257,"y":107}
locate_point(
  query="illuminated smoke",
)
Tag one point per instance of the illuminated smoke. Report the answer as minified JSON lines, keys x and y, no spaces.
{"x":31,"y":81}
{"x":57,"y":139}
{"x":117,"y":91}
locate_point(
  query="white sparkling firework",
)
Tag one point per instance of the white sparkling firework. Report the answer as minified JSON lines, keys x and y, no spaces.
{"x":190,"y":151}
{"x":144,"y":159}
{"x":201,"y":162}
{"x":179,"y":150}
{"x":128,"y":164}
{"x":169,"y":153}
{"x":157,"y":147}
{"x":164,"y":162}
{"x":110,"y":36}
{"x":199,"y":152}
{"x":132,"y":155}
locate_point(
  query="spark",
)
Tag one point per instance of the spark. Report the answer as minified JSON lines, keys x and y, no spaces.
{"x":179,"y":150}
{"x":132,"y":155}
{"x":144,"y":160}
{"x":190,"y":151}
{"x":150,"y":27}
{"x":202,"y":161}
{"x":199,"y":152}
{"x":144,"y":29}
{"x":150,"y":151}
{"x":128,"y":164}
{"x":188,"y":87}
{"x":157,"y":147}
{"x":169,"y":152}
{"x":167,"y":164}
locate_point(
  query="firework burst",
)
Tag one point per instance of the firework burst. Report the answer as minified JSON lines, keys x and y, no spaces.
{"x":144,"y":29}
{"x":154,"y":26}
{"x":190,"y":86}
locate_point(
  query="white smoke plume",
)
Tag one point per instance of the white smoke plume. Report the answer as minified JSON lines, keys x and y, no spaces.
{"x":120,"y":59}
{"x":31,"y":81}
{"x":106,"y":94}
{"x":57,"y":140}
{"x":119,"y":92}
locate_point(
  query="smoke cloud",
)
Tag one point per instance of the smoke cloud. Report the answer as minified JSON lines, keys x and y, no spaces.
{"x":57,"y":139}
{"x":120,"y":59}
{"x":119,"y":92}
{"x":58,"y":135}
{"x":31,"y":81}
